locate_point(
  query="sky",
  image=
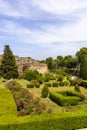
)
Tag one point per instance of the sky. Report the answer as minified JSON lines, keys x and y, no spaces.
{"x":43,"y":28}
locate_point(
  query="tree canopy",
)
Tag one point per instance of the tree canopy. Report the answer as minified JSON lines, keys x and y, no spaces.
{"x":8,"y":67}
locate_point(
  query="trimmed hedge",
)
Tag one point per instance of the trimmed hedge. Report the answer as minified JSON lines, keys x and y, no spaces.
{"x":57,"y":121}
{"x":55,"y":84}
{"x":65,"y":98}
{"x":48,"y":84}
{"x":32,"y":85}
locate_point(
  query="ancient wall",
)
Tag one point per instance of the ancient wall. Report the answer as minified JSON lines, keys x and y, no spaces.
{"x":24,"y":63}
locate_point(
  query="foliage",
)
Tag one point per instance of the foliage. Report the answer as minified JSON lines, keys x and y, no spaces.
{"x":48,"y":84}
{"x":65,"y":121}
{"x":78,"y":81}
{"x":66,"y":83}
{"x":30,"y":85}
{"x":24,"y":100}
{"x":61,"y":83}
{"x":60,"y":78}
{"x":82,"y":59}
{"x":8,"y":68}
{"x":77,"y":88}
{"x":45,"y":91}
{"x":55,"y":84}
{"x":31,"y":74}
{"x":84,"y":83}
{"x":72,"y":82}
{"x":47,"y":77}
{"x":65,"y":98}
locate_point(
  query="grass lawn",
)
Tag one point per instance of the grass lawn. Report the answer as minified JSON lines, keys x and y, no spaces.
{"x":7,"y":105}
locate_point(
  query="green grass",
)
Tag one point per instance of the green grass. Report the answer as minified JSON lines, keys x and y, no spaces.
{"x":23,"y":82}
{"x":2,"y":83}
{"x":7,"y":105}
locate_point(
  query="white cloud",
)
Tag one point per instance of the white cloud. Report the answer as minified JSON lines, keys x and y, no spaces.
{"x":51,"y":36}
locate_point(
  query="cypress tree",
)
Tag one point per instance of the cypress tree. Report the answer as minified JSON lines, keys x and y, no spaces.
{"x":8,"y":67}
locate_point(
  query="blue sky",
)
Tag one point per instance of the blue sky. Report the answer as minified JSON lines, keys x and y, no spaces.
{"x":43,"y":28}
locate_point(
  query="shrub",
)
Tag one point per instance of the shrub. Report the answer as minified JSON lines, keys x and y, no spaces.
{"x":48,"y":84}
{"x":61,"y":83}
{"x":78,"y":81}
{"x":47,"y":77}
{"x":37,"y":85}
{"x":55,"y":84}
{"x":77,"y":88}
{"x":30,"y":85}
{"x":65,"y":98}
{"x":74,"y":93}
{"x":84,"y":83}
{"x":66,"y":83}
{"x":72,"y":82}
{"x":45,"y":91}
{"x":24,"y":100}
{"x":60,"y":78}
{"x":61,"y":121}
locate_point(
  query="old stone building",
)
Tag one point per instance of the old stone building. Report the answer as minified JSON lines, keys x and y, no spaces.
{"x":24,"y":63}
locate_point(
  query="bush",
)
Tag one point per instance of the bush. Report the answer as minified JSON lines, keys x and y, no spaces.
{"x":60,"y":121}
{"x":60,"y":78}
{"x":45,"y":91}
{"x":48,"y":84}
{"x":37,"y":85}
{"x":78,"y":81}
{"x":24,"y":100}
{"x":30,"y":85}
{"x":61,"y":83}
{"x":66,"y":83}
{"x":55,"y":84}
{"x":65,"y":98}
{"x":77,"y":88}
{"x":84,"y":83}
{"x":47,"y":77}
{"x":72,"y":82}
{"x":74,"y":93}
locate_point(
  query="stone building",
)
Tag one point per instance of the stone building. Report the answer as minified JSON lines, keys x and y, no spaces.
{"x":24,"y":63}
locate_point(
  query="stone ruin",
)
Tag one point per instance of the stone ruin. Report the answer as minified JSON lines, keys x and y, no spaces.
{"x":25,"y":63}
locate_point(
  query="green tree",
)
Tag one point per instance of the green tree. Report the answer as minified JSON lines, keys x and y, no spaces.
{"x":8,"y":68}
{"x":31,"y":74}
{"x":82,"y":60}
{"x":49,"y":63}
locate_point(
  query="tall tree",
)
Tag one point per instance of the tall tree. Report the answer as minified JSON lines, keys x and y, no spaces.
{"x":82,"y":59}
{"x":8,"y":68}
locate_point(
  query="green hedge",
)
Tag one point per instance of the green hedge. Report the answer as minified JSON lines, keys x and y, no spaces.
{"x":84,"y":83}
{"x":57,"y":121}
{"x":55,"y":84}
{"x":48,"y":84}
{"x":32,"y":85}
{"x":63,"y":100}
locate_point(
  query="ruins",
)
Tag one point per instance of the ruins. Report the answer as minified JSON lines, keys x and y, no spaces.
{"x":24,"y":63}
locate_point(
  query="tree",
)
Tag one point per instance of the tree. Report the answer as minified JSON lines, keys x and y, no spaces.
{"x":8,"y":67}
{"x":31,"y":74}
{"x":49,"y":63}
{"x":82,"y":60}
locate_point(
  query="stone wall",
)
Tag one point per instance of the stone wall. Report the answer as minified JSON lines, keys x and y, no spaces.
{"x":24,"y":63}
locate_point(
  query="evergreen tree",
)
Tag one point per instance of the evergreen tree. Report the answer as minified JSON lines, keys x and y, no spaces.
{"x":82,"y":59}
{"x":8,"y":68}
